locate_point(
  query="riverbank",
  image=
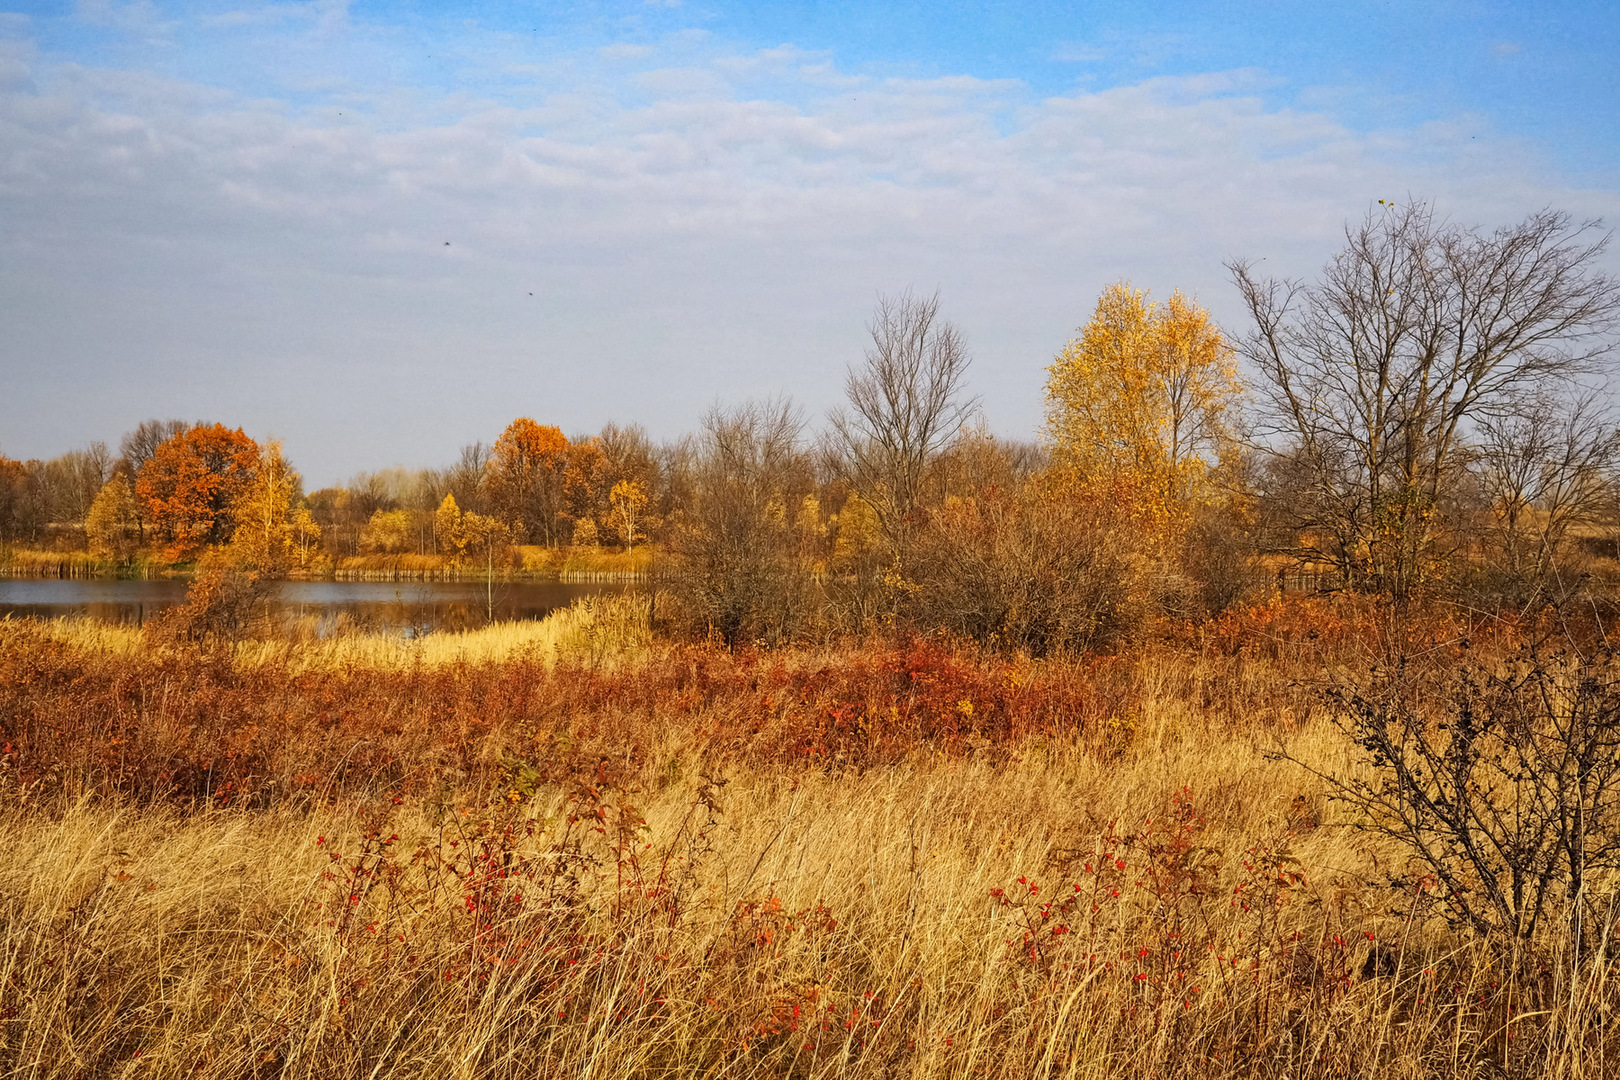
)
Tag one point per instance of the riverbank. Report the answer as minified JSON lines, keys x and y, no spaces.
{"x":517,"y":564}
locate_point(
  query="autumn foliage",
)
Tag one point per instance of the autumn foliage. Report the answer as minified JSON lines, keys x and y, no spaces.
{"x":1138,"y":405}
{"x":190,"y":488}
{"x":527,"y":477}
{"x":188,"y":726}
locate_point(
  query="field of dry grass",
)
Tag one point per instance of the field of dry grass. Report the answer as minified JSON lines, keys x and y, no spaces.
{"x":535,"y":854}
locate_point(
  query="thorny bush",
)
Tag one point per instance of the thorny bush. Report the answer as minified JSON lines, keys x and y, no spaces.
{"x":1501,"y":783}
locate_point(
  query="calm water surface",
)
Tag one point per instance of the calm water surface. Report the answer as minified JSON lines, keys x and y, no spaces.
{"x":412,"y":606}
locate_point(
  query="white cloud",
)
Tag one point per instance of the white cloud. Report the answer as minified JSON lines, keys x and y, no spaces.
{"x":325,"y":14}
{"x":1075,"y":52}
{"x":140,"y":17}
{"x":718,"y":227}
{"x":622,"y":51}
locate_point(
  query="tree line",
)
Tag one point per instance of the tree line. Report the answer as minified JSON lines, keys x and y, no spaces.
{"x":1426,"y":416}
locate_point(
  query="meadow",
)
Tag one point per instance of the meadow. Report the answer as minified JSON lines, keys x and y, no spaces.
{"x":572,"y":848}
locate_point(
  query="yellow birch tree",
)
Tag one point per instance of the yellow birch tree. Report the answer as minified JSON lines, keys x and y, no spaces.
{"x":628,"y":498}
{"x":268,"y":524}
{"x":1138,"y":405}
{"x":111,"y":524}
{"x":447,"y":529}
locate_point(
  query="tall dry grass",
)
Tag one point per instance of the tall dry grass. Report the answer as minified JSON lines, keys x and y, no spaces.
{"x":897,"y":861}
{"x":597,"y":629}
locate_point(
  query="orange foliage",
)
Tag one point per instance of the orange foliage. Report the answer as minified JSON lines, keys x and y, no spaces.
{"x":526,"y":477}
{"x":584,"y":477}
{"x":260,"y":734}
{"x":1350,"y":628}
{"x":190,"y":486}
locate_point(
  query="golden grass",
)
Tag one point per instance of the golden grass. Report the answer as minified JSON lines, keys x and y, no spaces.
{"x":585,"y":561}
{"x":826,"y":926}
{"x":85,"y":634}
{"x":594,"y":629}
{"x":528,"y":560}
{"x":34,"y":562}
{"x":1161,"y":898}
{"x":29,"y":562}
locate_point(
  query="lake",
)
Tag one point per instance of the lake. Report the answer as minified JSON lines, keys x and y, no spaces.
{"x":410,"y":606}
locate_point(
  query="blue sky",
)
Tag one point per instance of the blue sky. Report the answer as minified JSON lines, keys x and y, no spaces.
{"x":382,"y":230}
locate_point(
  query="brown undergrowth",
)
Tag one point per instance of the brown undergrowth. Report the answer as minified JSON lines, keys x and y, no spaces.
{"x":895,"y":860}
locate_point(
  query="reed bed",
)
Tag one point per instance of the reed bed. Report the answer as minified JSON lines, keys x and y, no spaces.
{"x":25,"y":562}
{"x":597,"y":629}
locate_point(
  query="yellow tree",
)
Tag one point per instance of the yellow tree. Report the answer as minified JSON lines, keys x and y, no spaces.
{"x":1137,"y":405}
{"x":306,"y":531}
{"x":269,"y":526}
{"x":628,"y":498}
{"x":388,"y":532}
{"x":486,"y":535}
{"x":447,"y":528}
{"x":859,"y":537}
{"x":111,"y":524}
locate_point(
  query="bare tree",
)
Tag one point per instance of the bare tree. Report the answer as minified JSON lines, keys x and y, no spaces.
{"x":629,"y":452}
{"x":737,"y":573}
{"x":138,"y":446}
{"x":75,"y":479}
{"x":906,"y":404}
{"x":465,"y":479}
{"x":1544,"y":468}
{"x":1417,"y":328}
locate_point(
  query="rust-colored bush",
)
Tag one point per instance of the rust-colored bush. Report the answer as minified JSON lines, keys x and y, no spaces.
{"x":195,"y":727}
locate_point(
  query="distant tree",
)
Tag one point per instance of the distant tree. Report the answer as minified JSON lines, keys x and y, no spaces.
{"x":467,"y":478}
{"x":306,"y":532}
{"x":138,"y":446}
{"x":448,"y":533}
{"x":906,"y":403}
{"x":111,"y":526}
{"x":85,"y":472}
{"x":24,"y":500}
{"x":484,"y":536}
{"x":369,"y":492}
{"x":738,"y":574}
{"x":388,"y":532}
{"x":857,"y":538}
{"x":628,"y":498}
{"x":14,"y":522}
{"x":630,"y":454}
{"x":1546,"y":468}
{"x":270,"y":533}
{"x":811,"y":528}
{"x":192,"y":483}
{"x":526,"y":478}
{"x":584,"y":494}
{"x":1137,"y":405}
{"x":64,"y":487}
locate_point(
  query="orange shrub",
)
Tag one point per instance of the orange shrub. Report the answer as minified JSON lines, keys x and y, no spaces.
{"x":194,"y":727}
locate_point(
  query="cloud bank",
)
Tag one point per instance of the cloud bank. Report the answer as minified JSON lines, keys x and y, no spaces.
{"x":380,"y":270}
